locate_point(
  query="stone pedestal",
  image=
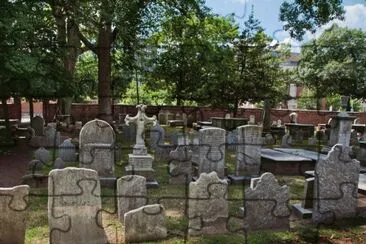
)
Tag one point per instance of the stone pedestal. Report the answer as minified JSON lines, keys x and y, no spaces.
{"x":142,"y":165}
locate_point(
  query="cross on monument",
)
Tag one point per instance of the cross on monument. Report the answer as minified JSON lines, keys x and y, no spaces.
{"x":140,"y":119}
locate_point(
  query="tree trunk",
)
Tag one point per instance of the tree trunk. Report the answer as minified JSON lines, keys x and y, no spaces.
{"x":267,"y":116}
{"x":31,"y":109}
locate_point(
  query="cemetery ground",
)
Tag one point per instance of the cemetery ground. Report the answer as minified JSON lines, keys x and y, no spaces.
{"x":172,"y":197}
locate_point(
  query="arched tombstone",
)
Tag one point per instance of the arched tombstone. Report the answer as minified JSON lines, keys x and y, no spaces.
{"x":96,"y":142}
{"x":38,"y":125}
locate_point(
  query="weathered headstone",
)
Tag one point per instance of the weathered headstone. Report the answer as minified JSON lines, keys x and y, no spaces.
{"x":97,"y":141}
{"x":248,"y":153}
{"x":35,"y":165}
{"x":251,"y":119}
{"x":157,"y":135}
{"x":212,"y":151}
{"x":180,"y":165}
{"x":286,"y":141}
{"x":74,"y":206}
{"x":42,"y":155}
{"x":208,"y":209}
{"x":268,"y":139}
{"x":305,"y":208}
{"x":266,"y":205}
{"x":340,"y":129}
{"x":335,"y":186}
{"x":132,"y":193}
{"x":129,"y":133}
{"x":59,"y":164}
{"x":146,"y":223}
{"x":38,"y":125}
{"x":67,"y":151}
{"x":13,"y":206}
{"x":52,"y":137}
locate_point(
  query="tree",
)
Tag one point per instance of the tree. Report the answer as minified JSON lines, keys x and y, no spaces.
{"x":335,"y":63}
{"x":302,"y":15}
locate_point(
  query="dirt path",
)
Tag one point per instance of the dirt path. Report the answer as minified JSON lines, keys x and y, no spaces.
{"x":14,"y":164}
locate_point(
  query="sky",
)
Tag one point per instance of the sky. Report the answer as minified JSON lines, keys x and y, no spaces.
{"x":267,"y":11}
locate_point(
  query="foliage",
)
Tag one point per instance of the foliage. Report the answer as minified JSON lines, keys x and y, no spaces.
{"x":302,"y":15}
{"x":308,"y":100}
{"x":146,"y":96}
{"x":335,"y":63}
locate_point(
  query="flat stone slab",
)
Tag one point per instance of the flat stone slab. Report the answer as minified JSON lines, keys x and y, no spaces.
{"x":315,"y":156}
{"x":278,"y":156}
{"x":301,"y":212}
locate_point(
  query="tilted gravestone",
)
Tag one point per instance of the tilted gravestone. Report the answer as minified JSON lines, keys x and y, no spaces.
{"x":74,"y":204}
{"x":132,"y":193}
{"x":146,"y":223}
{"x":212,"y":151}
{"x":207,"y":205}
{"x":157,"y":135}
{"x":13,"y":206}
{"x":248,"y":152}
{"x":38,"y":125}
{"x":180,"y":165}
{"x":266,"y":204}
{"x":335,"y":186}
{"x":97,"y":141}
{"x":67,"y":151}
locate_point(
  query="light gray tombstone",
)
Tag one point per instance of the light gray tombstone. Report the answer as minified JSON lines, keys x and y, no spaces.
{"x":59,"y":164}
{"x":180,"y":165}
{"x":266,"y":205}
{"x":268,"y":139}
{"x":157,"y":135}
{"x":286,"y":141}
{"x":52,"y":137}
{"x":42,"y":155}
{"x":67,"y":151}
{"x":251,"y":119}
{"x":248,"y":152}
{"x":13,"y":208}
{"x":178,"y":116}
{"x":340,"y":132}
{"x":74,"y":204}
{"x":146,"y":223}
{"x":335,"y":186}
{"x":208,"y":208}
{"x":212,"y":151}
{"x":78,"y":125}
{"x":97,"y":142}
{"x":38,"y":125}
{"x":131,"y":194}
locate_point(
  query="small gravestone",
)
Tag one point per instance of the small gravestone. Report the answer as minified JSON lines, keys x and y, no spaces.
{"x":305,"y":208}
{"x":97,"y":142}
{"x":208,"y":208}
{"x":13,"y":208}
{"x":248,"y":154}
{"x":251,"y":119}
{"x":266,"y":205}
{"x":146,"y":223}
{"x":42,"y":155}
{"x":35,"y":165}
{"x":335,"y":186}
{"x":74,"y":204}
{"x":161,"y":117}
{"x":132,"y":193}
{"x":78,"y":125}
{"x":286,"y":141}
{"x":67,"y":151}
{"x":52,"y":137}
{"x":212,"y":151}
{"x":180,"y":165}
{"x":268,"y":139}
{"x":59,"y":164}
{"x":37,"y":124}
{"x":157,"y":135}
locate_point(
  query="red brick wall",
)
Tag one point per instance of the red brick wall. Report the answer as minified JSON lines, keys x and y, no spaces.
{"x":85,"y":112}
{"x":14,"y":111}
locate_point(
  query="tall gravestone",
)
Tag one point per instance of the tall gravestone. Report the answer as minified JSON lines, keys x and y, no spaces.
{"x":38,"y":125}
{"x":335,"y":186}
{"x":157,"y":135}
{"x":132,"y":193}
{"x":180,"y":165}
{"x":248,"y":152}
{"x":13,"y":206}
{"x":140,"y":162}
{"x":212,"y":151}
{"x":74,"y":206}
{"x":97,"y":141}
{"x":266,"y":204}
{"x":208,"y":208}
{"x":340,"y":129}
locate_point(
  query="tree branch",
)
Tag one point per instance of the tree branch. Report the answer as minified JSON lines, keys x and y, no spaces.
{"x":114,"y":35}
{"x":86,"y":42}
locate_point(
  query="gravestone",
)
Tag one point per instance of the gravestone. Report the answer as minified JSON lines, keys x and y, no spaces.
{"x":146,"y":223}
{"x":59,"y":164}
{"x":268,"y":139}
{"x":42,"y":155}
{"x":286,"y":141}
{"x":161,"y":117}
{"x":266,"y":205}
{"x":35,"y":165}
{"x":37,"y":124}
{"x":67,"y":151}
{"x":251,"y":119}
{"x":305,"y":208}
{"x":340,"y":129}
{"x":207,"y":205}
{"x":129,"y":133}
{"x":157,"y":135}
{"x":74,"y":204}
{"x":231,"y":139}
{"x":162,"y":152}
{"x":180,"y":165}
{"x":13,"y":209}
{"x":97,"y":141}
{"x":132,"y":194}
{"x":212,"y":151}
{"x":248,"y":152}
{"x":335,"y":186}
{"x":52,"y":137}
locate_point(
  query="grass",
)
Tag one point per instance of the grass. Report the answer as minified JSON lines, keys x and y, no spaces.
{"x":301,"y":231}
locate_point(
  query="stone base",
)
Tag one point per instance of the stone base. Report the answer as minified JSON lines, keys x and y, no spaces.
{"x":147,"y":173}
{"x":300,"y":212}
{"x":140,"y":161}
{"x":240,"y":180}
